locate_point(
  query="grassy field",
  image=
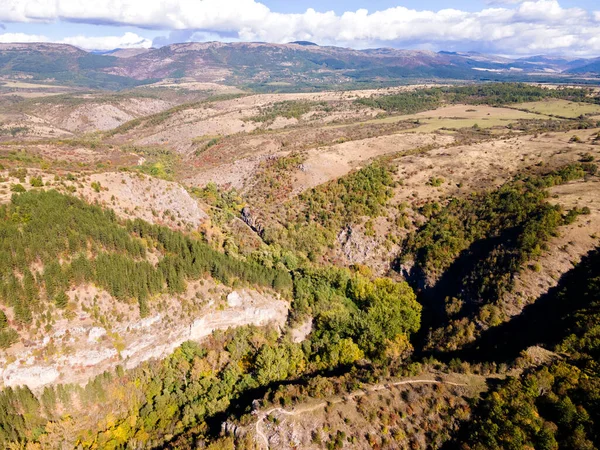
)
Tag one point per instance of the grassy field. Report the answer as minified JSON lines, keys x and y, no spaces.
{"x":23,"y":85}
{"x":561,"y":108}
{"x":434,"y":124}
{"x":460,"y":116}
{"x":36,"y":94}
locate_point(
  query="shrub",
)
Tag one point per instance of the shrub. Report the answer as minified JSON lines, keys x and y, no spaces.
{"x":435,"y":182}
{"x":61,"y":300}
{"x":36,"y":181}
{"x":8,"y":337}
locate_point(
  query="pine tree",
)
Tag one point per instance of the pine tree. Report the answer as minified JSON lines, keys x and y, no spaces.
{"x":61,"y":300}
{"x":3,"y":320}
{"x":29,"y":286}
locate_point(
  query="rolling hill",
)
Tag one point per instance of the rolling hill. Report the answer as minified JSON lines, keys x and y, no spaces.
{"x":187,"y":265}
{"x":587,"y":66}
{"x":61,"y":64}
{"x":263,"y":66}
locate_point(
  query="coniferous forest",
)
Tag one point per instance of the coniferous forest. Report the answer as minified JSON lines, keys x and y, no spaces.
{"x":427,"y":260}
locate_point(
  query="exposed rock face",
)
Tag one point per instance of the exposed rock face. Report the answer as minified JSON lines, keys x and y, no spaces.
{"x":244,"y":313}
{"x":234,"y":299}
{"x":301,"y":332}
{"x":130,"y":196}
{"x":152,"y":337}
{"x":252,"y":221}
{"x":95,"y":334}
{"x":33,"y":376}
{"x":356,"y":246}
{"x":151,"y":199}
{"x":95,"y":117}
{"x":95,"y":114}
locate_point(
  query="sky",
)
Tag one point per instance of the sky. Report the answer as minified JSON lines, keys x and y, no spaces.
{"x":506,"y":27}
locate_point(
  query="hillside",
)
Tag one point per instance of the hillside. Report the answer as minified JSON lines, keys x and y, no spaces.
{"x":272,"y":67}
{"x":587,"y":67}
{"x":190,"y":265}
{"x":300,"y":66}
{"x":60,"y":64}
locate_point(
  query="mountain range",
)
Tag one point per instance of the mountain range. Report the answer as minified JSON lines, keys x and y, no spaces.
{"x":299,"y":65}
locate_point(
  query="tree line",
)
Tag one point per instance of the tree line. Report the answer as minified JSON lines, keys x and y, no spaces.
{"x":492,"y":94}
{"x":71,"y":242}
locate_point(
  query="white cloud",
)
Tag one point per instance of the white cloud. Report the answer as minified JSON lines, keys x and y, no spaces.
{"x":128,"y":40}
{"x":548,"y":11}
{"x":515,"y":26}
{"x":21,"y":38}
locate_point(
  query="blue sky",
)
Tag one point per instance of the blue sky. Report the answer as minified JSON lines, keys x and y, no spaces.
{"x":292,"y":6}
{"x":507,"y":27}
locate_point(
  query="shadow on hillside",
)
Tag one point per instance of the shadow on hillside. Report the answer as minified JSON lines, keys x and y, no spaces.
{"x":546,"y":322}
{"x":461,"y":279}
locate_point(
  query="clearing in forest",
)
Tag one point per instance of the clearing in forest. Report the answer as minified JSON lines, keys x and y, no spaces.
{"x":560,"y":108}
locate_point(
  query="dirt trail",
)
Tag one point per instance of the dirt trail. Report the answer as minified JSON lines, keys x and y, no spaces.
{"x":368,"y":389}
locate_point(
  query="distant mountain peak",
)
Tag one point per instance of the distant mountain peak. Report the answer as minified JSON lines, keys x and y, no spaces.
{"x":41,"y":47}
{"x":299,"y":63}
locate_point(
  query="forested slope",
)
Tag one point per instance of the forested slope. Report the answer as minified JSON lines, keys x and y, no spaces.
{"x":71,"y":242}
{"x":422,"y":341}
{"x":54,"y":242}
{"x":467,"y":255}
{"x":556,"y":405}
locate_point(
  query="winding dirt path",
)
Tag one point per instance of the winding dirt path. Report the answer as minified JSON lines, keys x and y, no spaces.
{"x":368,"y":389}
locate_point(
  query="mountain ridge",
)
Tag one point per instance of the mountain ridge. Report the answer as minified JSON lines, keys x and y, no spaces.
{"x":301,"y":65}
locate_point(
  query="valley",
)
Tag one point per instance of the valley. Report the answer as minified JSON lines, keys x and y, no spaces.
{"x":197,"y":262}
